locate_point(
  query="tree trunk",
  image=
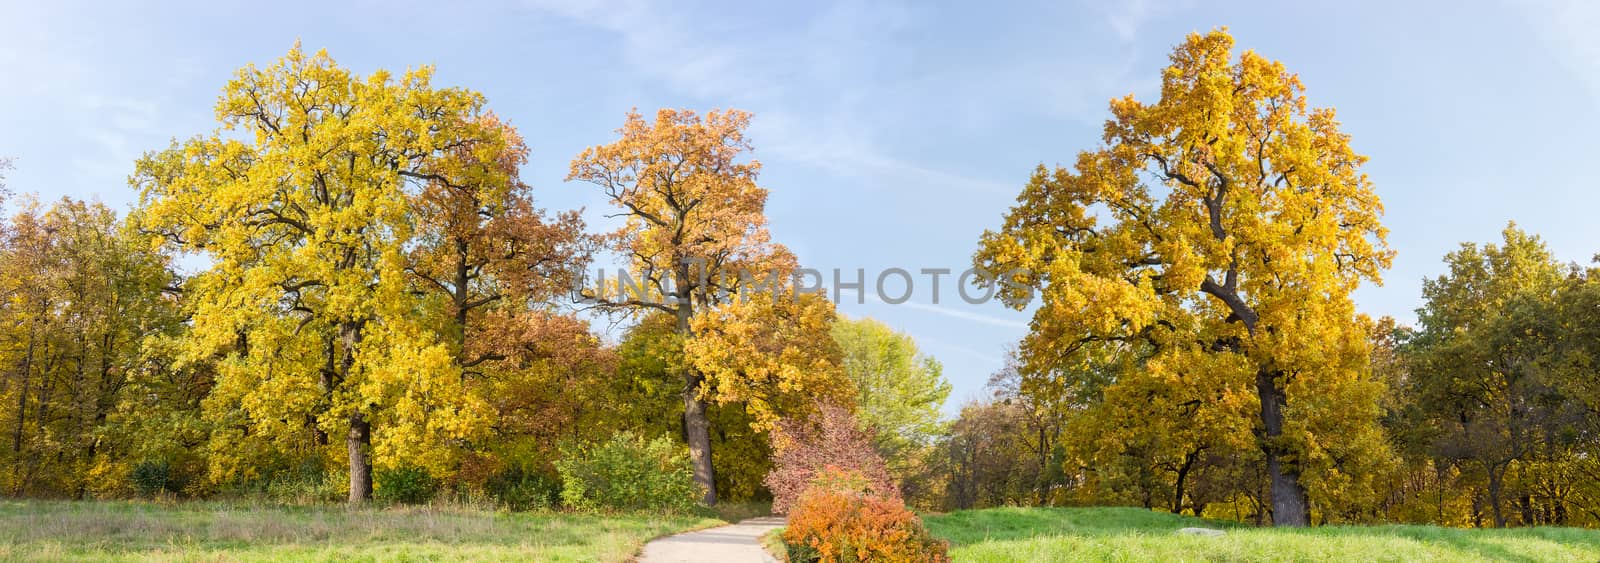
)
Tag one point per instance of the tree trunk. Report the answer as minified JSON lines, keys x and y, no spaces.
{"x":359,"y":439}
{"x":359,"y":443}
{"x":1495,"y":486}
{"x":696,"y":426}
{"x":1290,"y":506}
{"x":697,"y":433}
{"x":1183,"y":475}
{"x":22,"y":396}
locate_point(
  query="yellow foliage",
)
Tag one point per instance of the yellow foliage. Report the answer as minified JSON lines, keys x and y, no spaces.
{"x":302,"y":203}
{"x":1226,"y":219}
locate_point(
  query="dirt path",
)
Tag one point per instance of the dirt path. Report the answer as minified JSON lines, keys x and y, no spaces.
{"x":735,"y":543}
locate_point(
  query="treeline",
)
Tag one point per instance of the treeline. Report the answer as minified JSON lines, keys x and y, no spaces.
{"x":370,"y":300}
{"x":1489,"y":411}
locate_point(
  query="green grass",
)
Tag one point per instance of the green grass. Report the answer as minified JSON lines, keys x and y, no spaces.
{"x":772,"y":541}
{"x":1132,"y":534}
{"x":204,"y":531}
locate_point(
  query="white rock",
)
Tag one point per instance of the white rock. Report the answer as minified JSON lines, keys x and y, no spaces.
{"x":1200,"y":532}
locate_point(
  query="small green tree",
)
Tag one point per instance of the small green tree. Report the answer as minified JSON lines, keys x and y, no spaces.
{"x":899,"y":393}
{"x":628,"y":473}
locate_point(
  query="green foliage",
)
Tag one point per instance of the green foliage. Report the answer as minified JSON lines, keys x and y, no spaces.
{"x":628,"y":473}
{"x":289,"y":482}
{"x":1494,"y":389}
{"x":900,"y":393}
{"x":79,"y":294}
{"x":405,"y":485}
{"x":648,"y":395}
{"x":153,"y":477}
{"x":518,"y":489}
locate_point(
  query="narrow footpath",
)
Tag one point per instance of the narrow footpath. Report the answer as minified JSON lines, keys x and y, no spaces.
{"x":734,"y":543}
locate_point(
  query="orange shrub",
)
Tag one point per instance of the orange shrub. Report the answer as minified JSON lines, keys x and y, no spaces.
{"x":837,"y":520}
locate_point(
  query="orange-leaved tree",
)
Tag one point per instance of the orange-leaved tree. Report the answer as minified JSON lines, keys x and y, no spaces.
{"x":695,"y":238}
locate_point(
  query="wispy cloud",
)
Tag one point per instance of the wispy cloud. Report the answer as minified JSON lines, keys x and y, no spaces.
{"x":1569,"y":26}
{"x":1128,"y":17}
{"x":89,"y":110}
{"x":967,"y":315}
{"x":952,"y":311}
{"x":836,"y":52}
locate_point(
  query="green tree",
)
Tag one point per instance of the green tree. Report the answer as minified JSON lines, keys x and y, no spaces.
{"x":899,"y":391}
{"x":1480,"y":360}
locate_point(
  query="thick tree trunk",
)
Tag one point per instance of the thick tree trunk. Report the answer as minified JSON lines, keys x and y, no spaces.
{"x":359,"y":443}
{"x":696,"y":426}
{"x":697,"y":433}
{"x":359,"y":440}
{"x":1290,"y":506}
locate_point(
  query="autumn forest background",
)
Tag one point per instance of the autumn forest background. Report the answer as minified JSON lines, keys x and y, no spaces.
{"x":346,"y":293}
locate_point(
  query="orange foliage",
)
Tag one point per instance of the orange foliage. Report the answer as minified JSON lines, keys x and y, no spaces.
{"x":837,"y":520}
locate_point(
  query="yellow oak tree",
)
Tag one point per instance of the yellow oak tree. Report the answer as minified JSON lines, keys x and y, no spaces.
{"x":1228,"y":217}
{"x":696,"y":241}
{"x":303,"y":204}
{"x":773,"y":352}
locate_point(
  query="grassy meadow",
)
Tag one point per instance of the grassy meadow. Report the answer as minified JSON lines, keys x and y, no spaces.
{"x":1132,"y":534}
{"x":208,"y":531}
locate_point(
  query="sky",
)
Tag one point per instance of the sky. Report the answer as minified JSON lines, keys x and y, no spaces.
{"x":891,"y":134}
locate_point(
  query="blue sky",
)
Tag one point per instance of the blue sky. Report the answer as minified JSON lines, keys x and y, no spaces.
{"x":892,"y":133}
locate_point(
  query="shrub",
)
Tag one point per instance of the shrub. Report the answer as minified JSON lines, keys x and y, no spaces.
{"x":308,"y":482}
{"x":628,"y":473}
{"x":830,"y":437}
{"x":517,"y":489}
{"x":838,"y":519}
{"x":405,"y":485}
{"x":153,"y":477}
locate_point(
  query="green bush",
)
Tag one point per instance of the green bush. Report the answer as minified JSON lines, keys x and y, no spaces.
{"x":517,"y":489}
{"x":153,"y":477}
{"x":628,"y":473}
{"x":305,"y":482}
{"x":405,"y":485}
